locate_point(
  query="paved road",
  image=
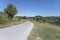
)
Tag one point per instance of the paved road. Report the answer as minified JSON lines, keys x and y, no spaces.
{"x":17,"y":32}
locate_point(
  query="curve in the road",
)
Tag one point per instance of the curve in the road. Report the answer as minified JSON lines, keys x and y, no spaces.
{"x":17,"y":32}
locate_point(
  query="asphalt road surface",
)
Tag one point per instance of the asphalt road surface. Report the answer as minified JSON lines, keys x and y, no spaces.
{"x":17,"y":32}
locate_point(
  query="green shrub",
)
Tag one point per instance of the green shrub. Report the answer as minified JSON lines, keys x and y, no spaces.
{"x":4,"y":21}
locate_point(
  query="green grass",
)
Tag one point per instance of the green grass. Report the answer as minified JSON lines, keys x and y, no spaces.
{"x":40,"y":32}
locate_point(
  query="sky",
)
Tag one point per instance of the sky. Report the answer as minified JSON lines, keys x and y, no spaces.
{"x":34,"y":7}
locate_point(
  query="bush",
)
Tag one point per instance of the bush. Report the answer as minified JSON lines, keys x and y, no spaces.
{"x":4,"y":22}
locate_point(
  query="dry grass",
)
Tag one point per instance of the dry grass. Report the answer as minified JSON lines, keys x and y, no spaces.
{"x":8,"y":24}
{"x":38,"y":38}
{"x":45,"y":31}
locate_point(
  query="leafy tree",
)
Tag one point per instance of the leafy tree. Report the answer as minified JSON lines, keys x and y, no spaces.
{"x":10,"y":10}
{"x":24,"y":17}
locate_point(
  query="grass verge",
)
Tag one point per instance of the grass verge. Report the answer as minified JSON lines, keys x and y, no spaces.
{"x":44,"y":32}
{"x":7,"y":23}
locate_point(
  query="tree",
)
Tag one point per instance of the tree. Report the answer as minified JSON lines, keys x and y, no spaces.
{"x":11,"y":11}
{"x":38,"y":18}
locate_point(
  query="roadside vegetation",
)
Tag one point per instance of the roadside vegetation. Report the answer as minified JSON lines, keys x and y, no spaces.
{"x":7,"y":23}
{"x":44,"y":31}
{"x":55,"y":20}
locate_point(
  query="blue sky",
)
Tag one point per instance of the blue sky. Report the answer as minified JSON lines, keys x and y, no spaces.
{"x":34,"y":7}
